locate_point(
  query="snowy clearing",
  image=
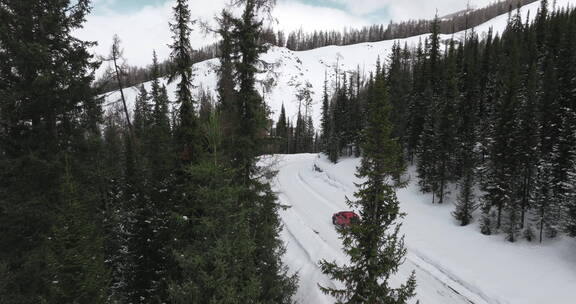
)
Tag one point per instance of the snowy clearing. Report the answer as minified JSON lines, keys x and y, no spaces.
{"x":453,"y":264}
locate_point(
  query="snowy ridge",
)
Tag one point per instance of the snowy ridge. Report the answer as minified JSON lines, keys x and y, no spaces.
{"x":284,"y":69}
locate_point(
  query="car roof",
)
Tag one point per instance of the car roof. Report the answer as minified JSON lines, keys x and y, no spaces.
{"x":347,"y":213}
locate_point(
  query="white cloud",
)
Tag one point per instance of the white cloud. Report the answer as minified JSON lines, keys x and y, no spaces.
{"x":400,"y":10}
{"x":144,"y":30}
{"x":147,"y":29}
{"x":295,"y":15}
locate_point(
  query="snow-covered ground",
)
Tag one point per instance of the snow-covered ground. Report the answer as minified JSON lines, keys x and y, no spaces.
{"x":453,"y":264}
{"x":286,"y":70}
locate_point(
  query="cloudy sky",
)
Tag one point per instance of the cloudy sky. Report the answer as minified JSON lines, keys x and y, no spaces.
{"x":143,"y":24}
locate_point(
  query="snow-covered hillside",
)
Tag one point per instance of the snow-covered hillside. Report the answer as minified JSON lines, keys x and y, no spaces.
{"x":453,"y":264}
{"x":286,"y":70}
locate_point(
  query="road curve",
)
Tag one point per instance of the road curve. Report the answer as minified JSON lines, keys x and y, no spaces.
{"x":310,"y":198}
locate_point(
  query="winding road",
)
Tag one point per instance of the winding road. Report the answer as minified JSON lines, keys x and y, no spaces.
{"x":310,"y":197}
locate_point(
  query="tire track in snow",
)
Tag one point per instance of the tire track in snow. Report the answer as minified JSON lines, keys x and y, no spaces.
{"x":292,"y":233}
{"x":321,"y":198}
{"x":467,"y":291}
{"x":424,"y":263}
{"x":452,"y":286}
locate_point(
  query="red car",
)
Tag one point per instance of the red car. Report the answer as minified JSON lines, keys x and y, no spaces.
{"x":345,"y":218}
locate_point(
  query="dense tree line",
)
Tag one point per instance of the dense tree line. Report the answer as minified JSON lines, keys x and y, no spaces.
{"x":170,"y":208}
{"x":495,"y":116}
{"x":133,"y":75}
{"x":289,"y":137}
{"x":301,"y":41}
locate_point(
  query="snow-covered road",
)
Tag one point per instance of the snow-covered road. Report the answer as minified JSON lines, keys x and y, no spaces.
{"x":311,"y":198}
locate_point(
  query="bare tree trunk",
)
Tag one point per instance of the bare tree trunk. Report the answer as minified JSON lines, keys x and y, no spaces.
{"x":119,"y":79}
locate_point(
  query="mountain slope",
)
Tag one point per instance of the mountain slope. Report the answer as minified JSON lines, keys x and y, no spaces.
{"x":285,"y":70}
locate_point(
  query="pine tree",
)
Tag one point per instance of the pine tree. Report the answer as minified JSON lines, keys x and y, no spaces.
{"x":142,"y":114}
{"x":228,"y":105}
{"x":466,"y":204}
{"x":543,"y":199}
{"x":186,"y":132}
{"x":310,"y":135}
{"x":466,"y":138}
{"x":571,"y":206}
{"x":252,"y":114}
{"x":432,"y":158}
{"x":282,"y":131}
{"x":74,"y":250}
{"x":433,"y":51}
{"x":219,"y":266}
{"x":160,"y":149}
{"x":501,"y":185}
{"x":399,"y":82}
{"x":47,"y":108}
{"x":333,"y":140}
{"x":527,"y":137}
{"x":445,"y":124}
{"x":116,"y":56}
{"x":326,"y":117}
{"x":240,"y":102}
{"x":489,"y":85}
{"x":161,"y":138}
{"x":417,"y":107}
{"x":427,"y":159}
{"x":375,"y":248}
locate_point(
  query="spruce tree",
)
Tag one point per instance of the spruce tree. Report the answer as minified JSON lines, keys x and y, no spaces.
{"x":333,"y":139}
{"x":526,"y":133}
{"x":466,"y":159}
{"x":416,"y":108}
{"x":399,"y":82}
{"x":74,"y":249}
{"x":46,"y":109}
{"x":186,"y":132}
{"x":544,"y":214}
{"x":218,"y":267}
{"x":247,"y":107}
{"x":445,"y":125}
{"x":325,"y":120}
{"x":228,"y":104}
{"x":374,"y":245}
{"x":501,"y":182}
{"x":570,"y":225}
{"x":282,"y":131}
{"x":160,"y":148}
{"x":427,"y":159}
{"x":252,"y":112}
{"x":466,"y":203}
{"x":310,"y":135}
{"x":142,"y":114}
{"x":117,"y":59}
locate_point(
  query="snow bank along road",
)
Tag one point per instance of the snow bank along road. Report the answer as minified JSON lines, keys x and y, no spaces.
{"x":311,"y":196}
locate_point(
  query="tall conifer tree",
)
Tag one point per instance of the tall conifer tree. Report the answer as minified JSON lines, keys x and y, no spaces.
{"x":374,"y":245}
{"x":186,"y":132}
